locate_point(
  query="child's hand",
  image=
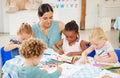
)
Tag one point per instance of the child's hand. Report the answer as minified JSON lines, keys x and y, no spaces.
{"x":59,"y":68}
{"x":61,"y":52}
{"x":17,"y":45}
{"x":97,"y":58}
{"x":84,"y":61}
{"x":45,"y":70}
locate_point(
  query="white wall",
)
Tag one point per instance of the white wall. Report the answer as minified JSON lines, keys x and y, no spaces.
{"x":91,"y":13}
{"x":110,"y":8}
{"x":96,"y":15}
{"x":5,"y":18}
{"x":15,"y":19}
{"x":1,"y":28}
{"x":100,"y":13}
{"x":67,"y":13}
{"x":1,"y":16}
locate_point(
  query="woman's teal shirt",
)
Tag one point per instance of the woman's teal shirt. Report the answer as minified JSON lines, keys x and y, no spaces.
{"x":53,"y":33}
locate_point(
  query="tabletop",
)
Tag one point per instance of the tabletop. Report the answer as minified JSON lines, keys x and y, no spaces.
{"x":76,"y":70}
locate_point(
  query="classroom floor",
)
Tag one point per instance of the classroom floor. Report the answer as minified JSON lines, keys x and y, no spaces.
{"x":112,"y":37}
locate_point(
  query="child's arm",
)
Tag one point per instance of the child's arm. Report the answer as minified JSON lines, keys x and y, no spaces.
{"x":57,"y":47}
{"x":83,"y":45}
{"x":73,"y":54}
{"x":86,"y":42}
{"x":85,"y":53}
{"x":111,"y":59}
{"x":11,"y":46}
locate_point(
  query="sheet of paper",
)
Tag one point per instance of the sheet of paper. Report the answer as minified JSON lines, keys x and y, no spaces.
{"x":68,"y":70}
{"x":107,"y":74}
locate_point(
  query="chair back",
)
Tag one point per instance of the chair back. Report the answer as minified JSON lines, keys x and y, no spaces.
{"x":118,"y":54}
{"x":5,"y":55}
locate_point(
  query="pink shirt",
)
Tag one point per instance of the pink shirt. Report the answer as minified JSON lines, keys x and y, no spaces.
{"x":104,"y":50}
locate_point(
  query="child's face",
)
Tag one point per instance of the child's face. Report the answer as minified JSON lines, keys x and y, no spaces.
{"x":71,"y":36}
{"x":22,"y":37}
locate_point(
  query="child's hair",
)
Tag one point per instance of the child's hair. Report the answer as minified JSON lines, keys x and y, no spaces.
{"x":97,"y":35}
{"x":25,"y":28}
{"x":71,"y":26}
{"x":32,"y":48}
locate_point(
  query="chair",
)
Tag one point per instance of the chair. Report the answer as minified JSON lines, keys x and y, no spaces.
{"x":92,"y":53}
{"x":118,"y":54}
{"x":5,"y":55}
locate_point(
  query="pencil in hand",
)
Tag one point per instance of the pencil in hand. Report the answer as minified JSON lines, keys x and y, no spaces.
{"x":101,"y":53}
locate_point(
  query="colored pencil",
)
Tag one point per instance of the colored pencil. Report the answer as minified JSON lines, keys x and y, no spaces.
{"x":101,"y":53}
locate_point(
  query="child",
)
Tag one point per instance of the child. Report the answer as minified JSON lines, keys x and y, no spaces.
{"x":32,"y":50}
{"x":72,"y":45}
{"x":24,"y":32}
{"x":99,"y":43}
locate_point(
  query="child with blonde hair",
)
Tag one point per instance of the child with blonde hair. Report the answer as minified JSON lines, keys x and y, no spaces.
{"x":103,"y":48}
{"x":23,"y":33}
{"x":32,"y":50}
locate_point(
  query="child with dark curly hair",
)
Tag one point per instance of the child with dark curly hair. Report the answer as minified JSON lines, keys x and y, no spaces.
{"x":32,"y":50}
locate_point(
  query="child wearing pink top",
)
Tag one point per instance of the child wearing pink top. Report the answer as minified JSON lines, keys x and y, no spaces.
{"x":103,"y":48}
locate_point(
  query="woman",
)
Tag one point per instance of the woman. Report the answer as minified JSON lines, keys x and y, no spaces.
{"x":47,"y":29}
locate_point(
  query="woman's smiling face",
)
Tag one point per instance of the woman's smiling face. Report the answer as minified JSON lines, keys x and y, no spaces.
{"x":46,"y":19}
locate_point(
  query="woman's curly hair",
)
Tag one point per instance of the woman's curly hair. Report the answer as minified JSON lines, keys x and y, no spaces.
{"x":32,"y":48}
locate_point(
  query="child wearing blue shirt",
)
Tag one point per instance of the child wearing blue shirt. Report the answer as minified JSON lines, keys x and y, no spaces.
{"x":23,"y":33}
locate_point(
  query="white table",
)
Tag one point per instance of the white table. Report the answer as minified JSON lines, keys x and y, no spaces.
{"x":69,"y":71}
